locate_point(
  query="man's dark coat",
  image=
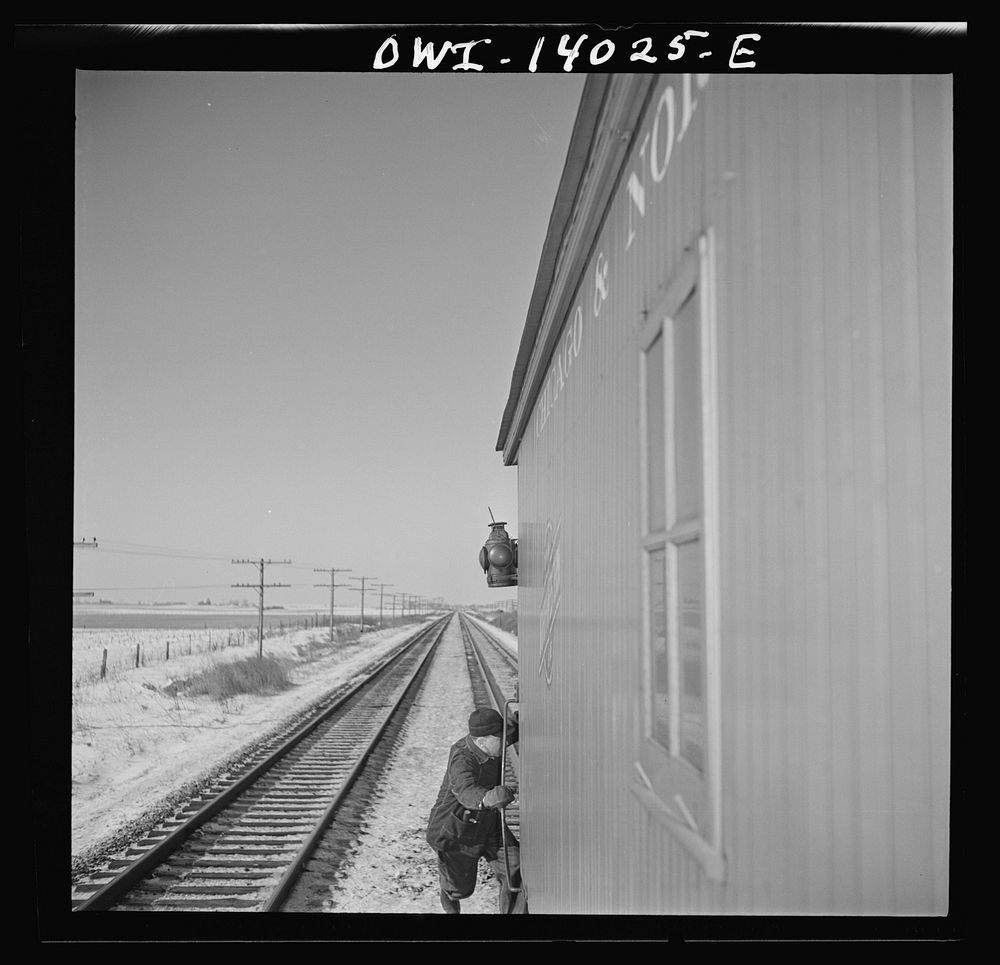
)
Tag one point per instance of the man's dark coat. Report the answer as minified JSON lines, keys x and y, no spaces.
{"x":458,"y":821}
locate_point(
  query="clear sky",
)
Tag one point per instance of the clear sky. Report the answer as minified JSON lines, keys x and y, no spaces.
{"x":299,"y":299}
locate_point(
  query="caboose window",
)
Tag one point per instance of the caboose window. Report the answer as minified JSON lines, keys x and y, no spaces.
{"x":655,"y":439}
{"x":659,"y":655}
{"x":673,"y":533}
{"x":685,"y":534}
{"x":678,"y":759}
{"x":691,"y":654}
{"x":687,"y":414}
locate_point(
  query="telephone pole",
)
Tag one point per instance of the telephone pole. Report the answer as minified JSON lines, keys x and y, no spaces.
{"x":84,"y":545}
{"x":381,"y":590}
{"x":362,"y":588}
{"x":333,"y":571}
{"x":259,"y":587}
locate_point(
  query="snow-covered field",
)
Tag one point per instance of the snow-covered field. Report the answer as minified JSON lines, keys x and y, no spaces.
{"x":133,"y":743}
{"x":113,"y":639}
{"x":116,"y":652}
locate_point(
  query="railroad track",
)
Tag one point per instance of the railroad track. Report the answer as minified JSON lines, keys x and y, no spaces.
{"x":241,"y":847}
{"x":493,"y":667}
{"x":493,"y":670}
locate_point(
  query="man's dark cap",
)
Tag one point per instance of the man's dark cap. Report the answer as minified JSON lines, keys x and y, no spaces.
{"x":484,"y":722}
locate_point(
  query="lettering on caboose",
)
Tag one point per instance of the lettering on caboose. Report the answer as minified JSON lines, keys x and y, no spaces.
{"x":666,"y":125}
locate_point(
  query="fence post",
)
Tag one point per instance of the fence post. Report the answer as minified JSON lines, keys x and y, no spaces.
{"x":104,"y":663}
{"x":137,"y":646}
{"x":168,"y":650}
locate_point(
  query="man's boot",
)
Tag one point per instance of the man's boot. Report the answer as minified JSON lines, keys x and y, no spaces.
{"x":450,"y":905}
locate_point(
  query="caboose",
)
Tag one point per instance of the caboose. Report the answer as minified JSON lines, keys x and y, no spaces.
{"x":730,"y":415}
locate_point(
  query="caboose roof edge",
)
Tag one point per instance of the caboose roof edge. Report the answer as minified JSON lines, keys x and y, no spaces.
{"x":577,"y":154}
{"x":602,"y":134}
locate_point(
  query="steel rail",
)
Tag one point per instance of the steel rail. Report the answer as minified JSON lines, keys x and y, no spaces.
{"x":496,"y":692}
{"x":140,"y":869}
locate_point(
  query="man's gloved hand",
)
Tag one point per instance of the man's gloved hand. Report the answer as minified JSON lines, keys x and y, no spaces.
{"x":498,"y":797}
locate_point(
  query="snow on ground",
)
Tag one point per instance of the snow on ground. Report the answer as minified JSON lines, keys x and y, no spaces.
{"x":133,"y":743}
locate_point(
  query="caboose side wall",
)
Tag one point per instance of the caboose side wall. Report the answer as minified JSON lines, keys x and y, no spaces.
{"x":828,"y":204}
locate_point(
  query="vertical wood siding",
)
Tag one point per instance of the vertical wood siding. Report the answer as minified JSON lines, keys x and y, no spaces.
{"x":830,"y":199}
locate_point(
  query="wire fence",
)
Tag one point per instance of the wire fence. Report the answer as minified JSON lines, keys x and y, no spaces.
{"x":107,"y":654}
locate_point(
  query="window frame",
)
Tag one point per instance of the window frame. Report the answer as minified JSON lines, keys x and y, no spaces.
{"x":684,"y":799}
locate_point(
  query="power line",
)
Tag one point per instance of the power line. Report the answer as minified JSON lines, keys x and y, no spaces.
{"x":152,"y":546}
{"x":203,"y":586}
{"x":154,"y":550}
{"x":169,"y":556}
{"x":169,"y":552}
{"x":126,"y":548}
